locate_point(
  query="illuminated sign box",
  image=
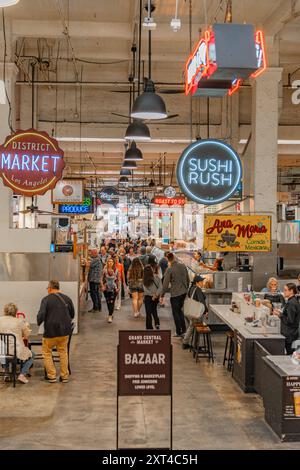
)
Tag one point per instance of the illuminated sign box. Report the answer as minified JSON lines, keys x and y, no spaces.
{"x":209,"y":172}
{"x":173,"y":201}
{"x":226,"y":52}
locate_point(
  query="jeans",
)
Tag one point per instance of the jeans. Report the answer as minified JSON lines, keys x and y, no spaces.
{"x":61,"y":344}
{"x":151,"y":312}
{"x":95,"y":295}
{"x":110,"y":297}
{"x":177,"y":306}
{"x":27,"y":364}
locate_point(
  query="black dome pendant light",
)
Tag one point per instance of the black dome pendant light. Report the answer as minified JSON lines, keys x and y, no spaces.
{"x":138,"y":130}
{"x":149,"y":105}
{"x":133,"y":153}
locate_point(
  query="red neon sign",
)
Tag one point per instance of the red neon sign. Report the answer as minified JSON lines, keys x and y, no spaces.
{"x":174,"y":201}
{"x":202,"y":62}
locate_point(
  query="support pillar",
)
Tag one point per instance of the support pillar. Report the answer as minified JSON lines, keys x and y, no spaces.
{"x":265,"y":117}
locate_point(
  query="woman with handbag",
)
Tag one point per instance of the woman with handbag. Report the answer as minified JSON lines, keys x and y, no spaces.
{"x":110,"y":284}
{"x":194,"y":308}
{"x":152,"y":291}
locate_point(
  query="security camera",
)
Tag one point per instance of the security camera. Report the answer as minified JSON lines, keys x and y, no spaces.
{"x":176,"y":24}
{"x":149,"y":23}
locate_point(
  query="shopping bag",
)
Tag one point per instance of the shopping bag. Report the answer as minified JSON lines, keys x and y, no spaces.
{"x":192,"y":309}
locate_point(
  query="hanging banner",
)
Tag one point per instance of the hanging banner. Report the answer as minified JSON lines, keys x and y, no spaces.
{"x":237,"y":233}
{"x":31,"y":162}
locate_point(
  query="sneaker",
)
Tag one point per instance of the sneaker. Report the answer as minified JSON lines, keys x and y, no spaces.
{"x":186,"y":346}
{"x":110,"y":319}
{"x":157,"y":327}
{"x":136,"y":315}
{"x":64,"y":381}
{"x":22,"y":379}
{"x":118,"y":308}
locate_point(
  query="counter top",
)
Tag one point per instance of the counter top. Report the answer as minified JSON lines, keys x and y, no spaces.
{"x":236,"y":322}
{"x":283,"y":365}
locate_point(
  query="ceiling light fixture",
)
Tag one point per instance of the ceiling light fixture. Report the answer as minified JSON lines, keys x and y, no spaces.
{"x":133,"y":153}
{"x":176,"y":22}
{"x":129,"y":165}
{"x":138,"y":131}
{"x":149,"y":105}
{"x":149,"y":22}
{"x":124,"y":172}
{"x":123,"y":180}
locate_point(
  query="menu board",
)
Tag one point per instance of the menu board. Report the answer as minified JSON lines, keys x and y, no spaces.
{"x":291,"y":398}
{"x":234,"y":233}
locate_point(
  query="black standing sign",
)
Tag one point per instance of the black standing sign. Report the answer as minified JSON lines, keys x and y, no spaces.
{"x":144,"y":366}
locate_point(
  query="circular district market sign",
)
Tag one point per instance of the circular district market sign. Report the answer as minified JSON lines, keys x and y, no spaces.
{"x":31,"y":162}
{"x":209,"y":171}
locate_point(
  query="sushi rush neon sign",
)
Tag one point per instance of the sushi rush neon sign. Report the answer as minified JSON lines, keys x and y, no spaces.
{"x":31,"y":162}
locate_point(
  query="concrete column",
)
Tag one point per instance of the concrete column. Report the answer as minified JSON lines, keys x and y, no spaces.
{"x":265,"y":116}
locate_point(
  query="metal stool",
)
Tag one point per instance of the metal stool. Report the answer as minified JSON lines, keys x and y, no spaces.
{"x":205,"y":349}
{"x":229,"y":351}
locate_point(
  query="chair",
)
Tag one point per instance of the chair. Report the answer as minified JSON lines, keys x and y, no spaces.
{"x":203,"y":344}
{"x":8,"y":356}
{"x":229,"y":351}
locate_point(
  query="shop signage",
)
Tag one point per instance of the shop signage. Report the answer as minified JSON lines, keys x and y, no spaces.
{"x":218,"y":55}
{"x":291,"y":399}
{"x":209,"y":171}
{"x":68,"y":191}
{"x":108,"y":195}
{"x":173,"y":201}
{"x":85,"y":208}
{"x":170,"y":192}
{"x":144,"y":363}
{"x":237,"y":233}
{"x":31,"y":162}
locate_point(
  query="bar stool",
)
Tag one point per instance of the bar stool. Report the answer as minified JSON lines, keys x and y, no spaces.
{"x":203,"y":344}
{"x":229,"y":351}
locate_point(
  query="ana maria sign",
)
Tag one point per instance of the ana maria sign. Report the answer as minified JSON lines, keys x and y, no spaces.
{"x":209,"y":171}
{"x":31,"y":162}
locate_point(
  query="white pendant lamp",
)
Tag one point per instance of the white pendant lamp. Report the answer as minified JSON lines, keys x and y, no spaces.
{"x":8,"y":3}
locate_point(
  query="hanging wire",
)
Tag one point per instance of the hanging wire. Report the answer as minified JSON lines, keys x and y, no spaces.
{"x":9,"y":119}
{"x":205,"y":13}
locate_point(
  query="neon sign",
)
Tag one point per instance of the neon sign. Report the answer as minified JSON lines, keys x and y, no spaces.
{"x":209,"y":172}
{"x":85,"y":208}
{"x":203,"y":62}
{"x":174,"y":201}
{"x":31,"y":162}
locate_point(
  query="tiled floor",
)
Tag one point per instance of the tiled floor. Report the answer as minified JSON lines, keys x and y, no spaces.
{"x":210,"y":411}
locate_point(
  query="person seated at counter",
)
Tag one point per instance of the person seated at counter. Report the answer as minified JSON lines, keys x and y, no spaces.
{"x":289,"y":316}
{"x":272,"y":291}
{"x":298,"y":285}
{"x":196,"y":293}
{"x":10,"y":324}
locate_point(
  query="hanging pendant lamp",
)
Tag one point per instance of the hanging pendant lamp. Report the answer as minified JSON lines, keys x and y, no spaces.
{"x":133,"y":153}
{"x":138,"y":131}
{"x":129,"y":165}
{"x":123,"y":180}
{"x":8,"y":3}
{"x":125,"y":172}
{"x":149,"y":105}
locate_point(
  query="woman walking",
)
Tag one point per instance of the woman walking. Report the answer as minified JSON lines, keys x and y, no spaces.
{"x":110,"y":285}
{"x":135,"y":283}
{"x":152,"y":290}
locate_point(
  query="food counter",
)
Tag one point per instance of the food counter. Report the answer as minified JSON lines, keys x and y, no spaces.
{"x":244,"y":339}
{"x":281,"y":396}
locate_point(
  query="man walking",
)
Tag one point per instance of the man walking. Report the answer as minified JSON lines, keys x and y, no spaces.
{"x":56,"y":312}
{"x":176,"y":276}
{"x":94,"y":277}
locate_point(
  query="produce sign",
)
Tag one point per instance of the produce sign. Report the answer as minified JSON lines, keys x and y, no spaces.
{"x":237,"y":233}
{"x":226,"y":52}
{"x":144,"y":363}
{"x":31,"y":162}
{"x":169,"y":201}
{"x":209,"y":171}
{"x":85,"y":208}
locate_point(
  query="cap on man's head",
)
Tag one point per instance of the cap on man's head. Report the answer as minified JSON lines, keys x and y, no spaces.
{"x":198,"y":278}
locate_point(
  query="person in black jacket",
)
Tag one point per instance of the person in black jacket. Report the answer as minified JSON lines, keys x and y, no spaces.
{"x":289,"y":316}
{"x":56,"y":312}
{"x":195,"y":292}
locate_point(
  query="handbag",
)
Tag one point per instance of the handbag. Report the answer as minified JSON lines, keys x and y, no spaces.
{"x":192,"y":309}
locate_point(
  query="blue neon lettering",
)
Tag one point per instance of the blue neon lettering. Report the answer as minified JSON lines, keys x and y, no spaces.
{"x":34,"y":161}
{"x":226,"y":179}
{"x":202,"y":179}
{"x":15,"y":164}
{"x":55,"y":158}
{"x":45,"y":164}
{"x":25,"y":162}
{"x":212,"y":164}
{"x":204,"y":167}
{"x":215,"y":179}
{"x":193,"y":164}
{"x":5,"y":161}
{"x":223,"y":166}
{"x":193,"y":177}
